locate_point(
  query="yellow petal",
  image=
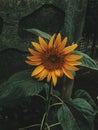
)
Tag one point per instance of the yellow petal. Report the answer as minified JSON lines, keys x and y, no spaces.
{"x":33,"y":52}
{"x":73,"y":57}
{"x":28,"y":62}
{"x":70,"y":67}
{"x":57,"y":73}
{"x":37,"y":70}
{"x":69,"y":49}
{"x":74,"y":63}
{"x":57,"y":42}
{"x":42,"y":74}
{"x":51,"y":41}
{"x":61,"y":73}
{"x":68,"y":73}
{"x":49,"y":77}
{"x":37,"y":46}
{"x":34,"y":58}
{"x":63,"y":44}
{"x":54,"y":78}
{"x":43,"y":43}
{"x":33,"y":63}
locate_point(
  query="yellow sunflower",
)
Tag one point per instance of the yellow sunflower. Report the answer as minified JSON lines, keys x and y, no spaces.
{"x":53,"y":59}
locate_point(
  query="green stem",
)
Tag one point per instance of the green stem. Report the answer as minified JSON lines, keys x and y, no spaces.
{"x":47,"y":127}
{"x":56,"y":104}
{"x":53,"y":125}
{"x":40,"y":96}
{"x":58,"y":98}
{"x":29,"y":126}
{"x":43,"y":124}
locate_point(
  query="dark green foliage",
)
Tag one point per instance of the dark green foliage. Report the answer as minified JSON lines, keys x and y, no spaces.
{"x":21,"y":85}
{"x":84,"y":95}
{"x":78,"y":113}
{"x":39,"y":33}
{"x":24,"y":95}
{"x":20,"y":102}
{"x":86,"y":61}
{"x":66,"y":118}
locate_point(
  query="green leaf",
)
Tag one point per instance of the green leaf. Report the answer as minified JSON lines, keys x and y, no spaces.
{"x":78,"y":113}
{"x":85,"y":95}
{"x":66,"y":118}
{"x":87,"y":61}
{"x":83,"y":113}
{"x":20,"y":85}
{"x":38,"y":32}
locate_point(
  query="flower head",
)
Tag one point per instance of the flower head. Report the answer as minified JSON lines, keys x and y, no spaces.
{"x":53,"y":59}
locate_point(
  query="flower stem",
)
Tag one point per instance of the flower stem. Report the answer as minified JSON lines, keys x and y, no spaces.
{"x":56,"y":104}
{"x":24,"y":128}
{"x":40,"y":96}
{"x":42,"y":122}
{"x":58,"y":98}
{"x":43,"y":125}
{"x":54,"y":124}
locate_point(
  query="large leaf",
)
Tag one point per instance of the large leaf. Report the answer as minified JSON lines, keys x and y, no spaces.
{"x":83,"y":113}
{"x":38,"y":32}
{"x":87,"y":61}
{"x":66,"y":118}
{"x":20,"y":85}
{"x":85,"y":95}
{"x":78,"y":113}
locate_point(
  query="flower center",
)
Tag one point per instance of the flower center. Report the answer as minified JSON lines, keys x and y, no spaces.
{"x":53,"y":58}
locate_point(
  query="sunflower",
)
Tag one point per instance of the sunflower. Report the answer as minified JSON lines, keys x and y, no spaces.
{"x":53,"y":59}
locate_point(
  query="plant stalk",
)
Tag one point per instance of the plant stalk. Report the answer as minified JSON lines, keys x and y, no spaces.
{"x":47,"y":107}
